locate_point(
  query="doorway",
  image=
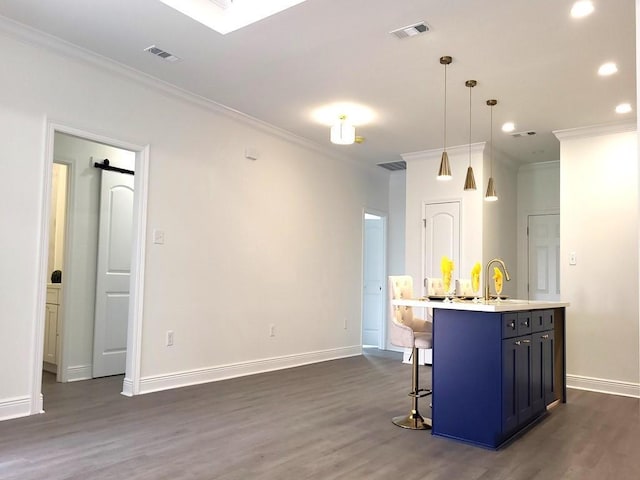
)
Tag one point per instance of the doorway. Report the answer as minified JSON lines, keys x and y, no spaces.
{"x":76,"y":327}
{"x":373,"y":284}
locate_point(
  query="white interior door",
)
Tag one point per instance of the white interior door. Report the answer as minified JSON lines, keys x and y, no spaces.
{"x":544,"y":255}
{"x":442,"y":237}
{"x":373,"y":284}
{"x":114,"y":268}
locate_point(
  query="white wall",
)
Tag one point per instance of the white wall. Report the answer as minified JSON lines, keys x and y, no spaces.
{"x":396,"y":224}
{"x":538,"y":193}
{"x":247,"y":243}
{"x":82,"y":247}
{"x":599,"y":222}
{"x":57,"y":218}
{"x":499,"y":224}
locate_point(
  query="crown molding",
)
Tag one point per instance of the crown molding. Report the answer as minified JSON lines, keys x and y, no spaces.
{"x":552,"y":164}
{"x":39,"y":39}
{"x":437,"y":152}
{"x":596,"y":130}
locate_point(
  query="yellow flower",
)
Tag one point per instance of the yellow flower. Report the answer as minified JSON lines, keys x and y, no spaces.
{"x":497,"y":277}
{"x":446,"y":265}
{"x":475,"y":276}
{"x":497,"y":274}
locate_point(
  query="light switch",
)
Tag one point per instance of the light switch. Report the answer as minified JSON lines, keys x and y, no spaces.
{"x":572,"y":258}
{"x":158,"y":237}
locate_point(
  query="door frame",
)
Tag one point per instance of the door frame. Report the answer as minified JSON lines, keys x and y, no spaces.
{"x":382,"y":342}
{"x":131,"y":383}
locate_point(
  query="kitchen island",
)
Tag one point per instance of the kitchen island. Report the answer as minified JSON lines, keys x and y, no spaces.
{"x":497,"y":366}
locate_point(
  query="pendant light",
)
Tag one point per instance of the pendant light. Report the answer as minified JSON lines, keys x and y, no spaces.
{"x":491,"y":195}
{"x":342,"y":132}
{"x":445,"y":169}
{"x":470,"y":181}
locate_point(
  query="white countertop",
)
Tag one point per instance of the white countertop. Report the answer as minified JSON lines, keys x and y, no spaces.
{"x":508,"y":305}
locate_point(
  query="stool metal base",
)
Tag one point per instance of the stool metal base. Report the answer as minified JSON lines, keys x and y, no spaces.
{"x":413,"y":421}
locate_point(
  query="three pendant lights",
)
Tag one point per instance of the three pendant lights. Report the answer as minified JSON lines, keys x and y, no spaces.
{"x":444,"y":172}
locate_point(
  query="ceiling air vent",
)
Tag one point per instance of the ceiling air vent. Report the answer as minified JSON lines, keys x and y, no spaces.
{"x":158,"y":52}
{"x":410,"y":30}
{"x":529,"y":133}
{"x":393,"y":166}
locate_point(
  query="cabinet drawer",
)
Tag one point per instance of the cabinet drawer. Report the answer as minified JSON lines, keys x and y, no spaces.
{"x":509,"y":325}
{"x":53,"y":296}
{"x":542,"y":320}
{"x":524,"y":323}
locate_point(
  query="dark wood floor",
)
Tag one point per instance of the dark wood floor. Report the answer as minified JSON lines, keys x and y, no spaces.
{"x":323,"y":421}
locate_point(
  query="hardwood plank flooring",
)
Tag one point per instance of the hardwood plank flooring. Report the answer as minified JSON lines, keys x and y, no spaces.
{"x":324,"y":421}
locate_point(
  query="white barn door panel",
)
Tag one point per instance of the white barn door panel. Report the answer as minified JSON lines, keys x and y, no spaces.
{"x":114,"y":271}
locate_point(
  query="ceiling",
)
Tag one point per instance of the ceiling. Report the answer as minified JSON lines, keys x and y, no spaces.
{"x":538,"y":62}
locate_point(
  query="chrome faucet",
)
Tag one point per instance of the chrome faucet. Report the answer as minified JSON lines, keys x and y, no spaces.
{"x":487,"y":297}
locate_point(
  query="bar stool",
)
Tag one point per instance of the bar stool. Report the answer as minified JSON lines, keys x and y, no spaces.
{"x":409,"y":332}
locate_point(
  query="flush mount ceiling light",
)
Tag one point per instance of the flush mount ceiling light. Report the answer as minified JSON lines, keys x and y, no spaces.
{"x":444,"y":173}
{"x":225,"y":16}
{"x":508,"y":127}
{"x":342,"y":132}
{"x":623,"y":108}
{"x":608,"y":68}
{"x":582,"y":9}
{"x":491,"y":195}
{"x":470,"y":181}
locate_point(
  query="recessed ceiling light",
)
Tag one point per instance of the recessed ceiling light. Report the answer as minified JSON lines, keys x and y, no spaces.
{"x":623,"y":108}
{"x":608,"y":68}
{"x":508,"y":127}
{"x":582,"y":9}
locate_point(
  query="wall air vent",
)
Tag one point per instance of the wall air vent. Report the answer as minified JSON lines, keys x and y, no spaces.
{"x":164,"y":55}
{"x":528,"y":133}
{"x":393,"y":166}
{"x":410,"y":30}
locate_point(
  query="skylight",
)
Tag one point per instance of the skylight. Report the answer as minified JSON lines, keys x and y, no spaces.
{"x":226,"y":16}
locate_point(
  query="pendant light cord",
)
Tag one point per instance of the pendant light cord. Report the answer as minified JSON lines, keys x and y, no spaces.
{"x":445,"y":108}
{"x":491,"y":137}
{"x":470,"y":88}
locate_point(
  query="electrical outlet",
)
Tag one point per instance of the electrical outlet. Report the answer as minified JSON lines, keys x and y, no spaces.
{"x":272,"y":330}
{"x":169,"y":340}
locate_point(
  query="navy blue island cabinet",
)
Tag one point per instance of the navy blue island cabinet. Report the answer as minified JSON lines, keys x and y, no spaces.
{"x":495,"y":373}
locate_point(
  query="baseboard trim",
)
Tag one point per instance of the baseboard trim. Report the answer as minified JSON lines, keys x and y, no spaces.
{"x":15,"y":407}
{"x":79,"y":372}
{"x":157,"y":383}
{"x":127,"y":387}
{"x":600,"y":385}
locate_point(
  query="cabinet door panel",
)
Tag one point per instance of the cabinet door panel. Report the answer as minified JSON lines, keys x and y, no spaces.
{"x":548,"y":366}
{"x":523,"y":379}
{"x":537,"y":373}
{"x":50,"y":333}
